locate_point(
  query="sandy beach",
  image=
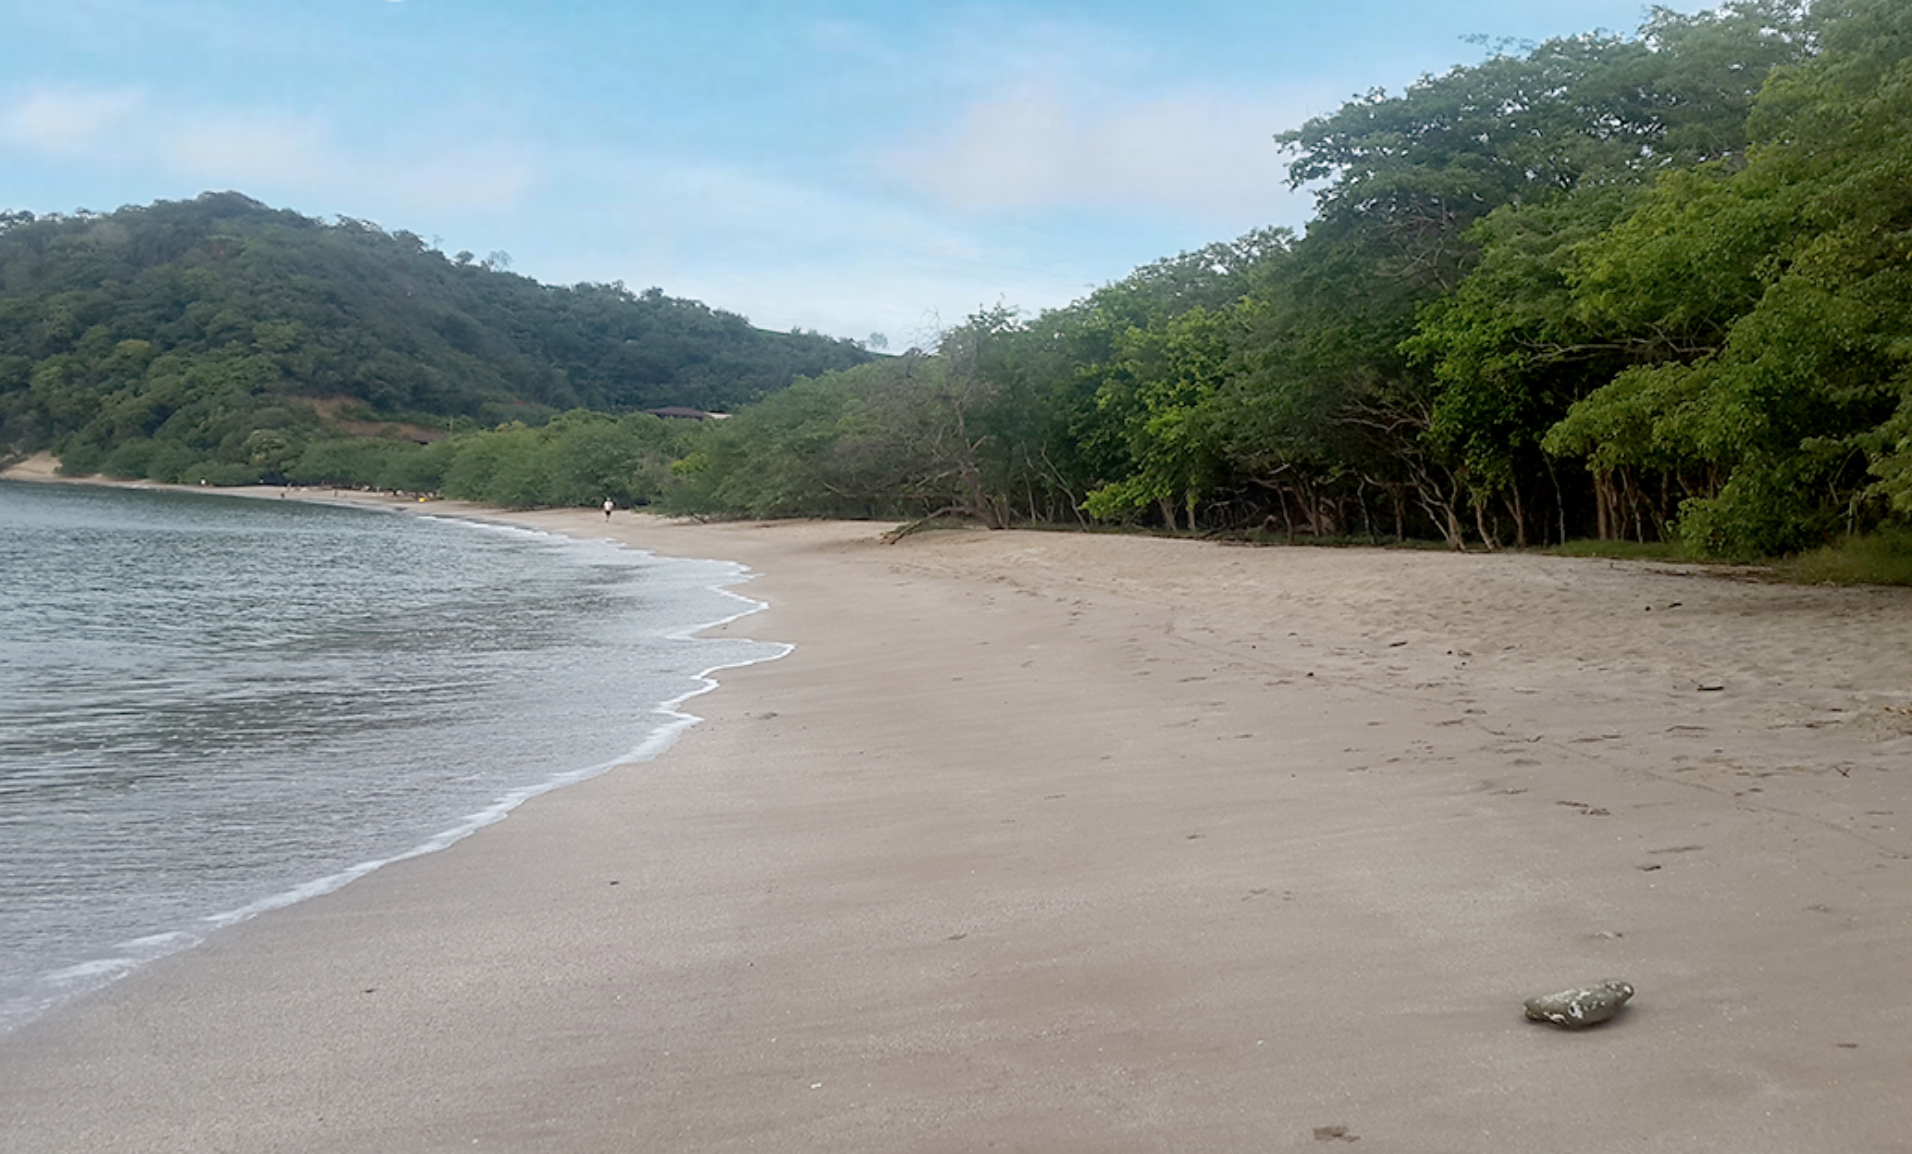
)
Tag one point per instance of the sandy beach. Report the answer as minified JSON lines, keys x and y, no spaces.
{"x":1070,"y":842}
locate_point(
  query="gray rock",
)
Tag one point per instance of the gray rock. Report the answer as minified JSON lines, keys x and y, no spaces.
{"x":1575,"y":1009}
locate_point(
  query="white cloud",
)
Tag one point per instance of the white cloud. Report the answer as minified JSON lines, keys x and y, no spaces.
{"x":290,"y":152}
{"x":1206,"y":152}
{"x":269,"y":153}
{"x":1023,"y":118}
{"x":242,"y":148}
{"x":787,"y":252}
{"x":711,"y":205}
{"x":66,"y":122}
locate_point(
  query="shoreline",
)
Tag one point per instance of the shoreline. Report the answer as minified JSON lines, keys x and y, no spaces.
{"x":654,"y":727}
{"x":1071,"y":842}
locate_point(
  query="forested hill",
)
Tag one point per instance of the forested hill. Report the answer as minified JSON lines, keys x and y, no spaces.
{"x":194,"y":322}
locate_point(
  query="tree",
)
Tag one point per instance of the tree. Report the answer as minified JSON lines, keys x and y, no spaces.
{"x":1171,"y":372}
{"x":1781,"y":289}
{"x":1529,"y":331}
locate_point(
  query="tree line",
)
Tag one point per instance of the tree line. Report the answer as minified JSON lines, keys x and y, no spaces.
{"x":1642,"y":286}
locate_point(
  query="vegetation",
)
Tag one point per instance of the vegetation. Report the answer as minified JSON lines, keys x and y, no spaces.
{"x":223,"y":340}
{"x":1879,"y":559}
{"x":1652,"y":289}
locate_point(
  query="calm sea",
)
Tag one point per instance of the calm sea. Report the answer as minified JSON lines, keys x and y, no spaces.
{"x":212,"y":705}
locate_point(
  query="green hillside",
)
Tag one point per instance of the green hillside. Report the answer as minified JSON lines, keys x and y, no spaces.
{"x":221,"y":335}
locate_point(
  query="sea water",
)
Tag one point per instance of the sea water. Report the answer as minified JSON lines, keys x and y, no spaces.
{"x":214,"y":705}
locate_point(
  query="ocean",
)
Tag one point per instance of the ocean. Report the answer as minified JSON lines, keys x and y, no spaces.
{"x":212,"y":705}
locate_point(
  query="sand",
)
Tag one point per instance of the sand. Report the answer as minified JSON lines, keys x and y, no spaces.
{"x":1059,"y":842}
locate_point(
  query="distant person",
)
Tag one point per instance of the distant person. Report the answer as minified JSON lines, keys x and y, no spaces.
{"x":607,"y":508}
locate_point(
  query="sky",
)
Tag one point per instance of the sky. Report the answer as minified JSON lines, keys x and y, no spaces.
{"x":873,"y":171}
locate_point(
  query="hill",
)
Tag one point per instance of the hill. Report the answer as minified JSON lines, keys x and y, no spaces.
{"x":170,"y":336}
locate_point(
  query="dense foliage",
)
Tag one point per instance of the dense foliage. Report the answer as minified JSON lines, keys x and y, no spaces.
{"x":1646,"y":286}
{"x":217,"y":338}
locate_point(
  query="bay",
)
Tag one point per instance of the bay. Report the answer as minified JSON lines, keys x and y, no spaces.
{"x":213,"y":705}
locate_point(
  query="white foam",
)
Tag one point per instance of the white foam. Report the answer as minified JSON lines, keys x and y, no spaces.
{"x":659,"y":739}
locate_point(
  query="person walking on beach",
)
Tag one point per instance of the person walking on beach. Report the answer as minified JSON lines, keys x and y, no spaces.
{"x":607,"y":508}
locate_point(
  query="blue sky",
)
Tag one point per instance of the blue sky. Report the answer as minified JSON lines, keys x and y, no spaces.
{"x":853,"y":167}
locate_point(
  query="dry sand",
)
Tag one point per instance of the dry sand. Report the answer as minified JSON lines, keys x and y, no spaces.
{"x":1057,"y":842}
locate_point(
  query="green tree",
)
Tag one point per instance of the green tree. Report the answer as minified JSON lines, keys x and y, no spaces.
{"x":1782,"y":288}
{"x":1521,"y":153}
{"x":1170,"y":373}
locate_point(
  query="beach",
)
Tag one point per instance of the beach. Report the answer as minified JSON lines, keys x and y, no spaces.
{"x":1081,"y":842}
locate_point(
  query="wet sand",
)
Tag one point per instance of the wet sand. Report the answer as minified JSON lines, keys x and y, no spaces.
{"x":1060,"y":842}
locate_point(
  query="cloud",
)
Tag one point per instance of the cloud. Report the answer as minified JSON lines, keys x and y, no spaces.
{"x":266,"y":152}
{"x":1011,"y":117}
{"x":242,"y":148}
{"x":713,"y":206}
{"x":66,"y":122}
{"x":785,"y":250}
{"x":1201,"y":151}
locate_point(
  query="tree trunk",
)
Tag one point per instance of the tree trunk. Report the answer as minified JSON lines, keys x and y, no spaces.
{"x":1560,"y":500}
{"x":1518,"y":511}
{"x":1602,"y":503}
{"x":1488,"y":538}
